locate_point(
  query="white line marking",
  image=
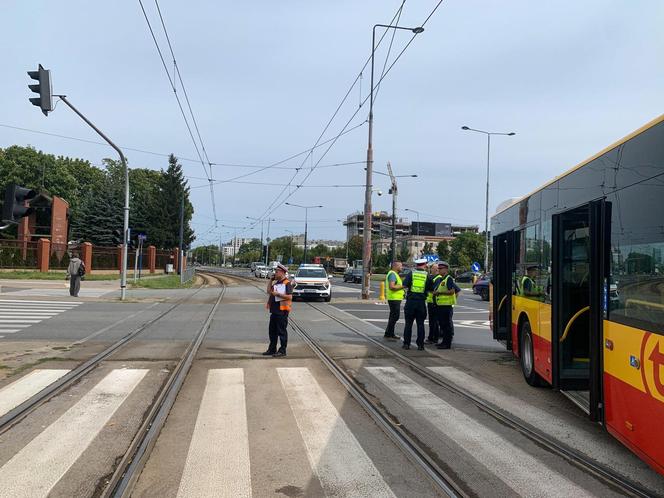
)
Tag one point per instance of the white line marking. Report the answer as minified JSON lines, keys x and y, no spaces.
{"x":32,"y":310}
{"x":9,"y":331}
{"x":218,"y":459}
{"x":37,"y":468}
{"x":545,"y":421}
{"x":336,"y":457}
{"x":27,"y":386}
{"x":519,"y":470}
{"x":21,"y":301}
{"x":28,"y":315}
{"x":4,"y":320}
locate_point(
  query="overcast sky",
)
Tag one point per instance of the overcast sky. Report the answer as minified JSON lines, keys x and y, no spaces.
{"x":264,"y":77}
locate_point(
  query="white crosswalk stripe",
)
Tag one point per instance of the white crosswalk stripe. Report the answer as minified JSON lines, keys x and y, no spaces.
{"x":522,"y":472}
{"x":336,"y":457}
{"x":38,"y":467}
{"x":218,"y":459}
{"x":27,"y":386}
{"x":19,"y":314}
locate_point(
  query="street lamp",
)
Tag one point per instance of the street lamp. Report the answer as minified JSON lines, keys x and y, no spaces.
{"x":267,"y":240}
{"x":393,"y":191}
{"x":306,"y":214}
{"x":418,"y":227}
{"x":290,"y":259}
{"x":366,"y":246}
{"x":486,"y":211}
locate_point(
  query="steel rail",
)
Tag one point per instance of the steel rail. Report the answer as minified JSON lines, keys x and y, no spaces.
{"x":600,"y":471}
{"x":126,"y":474}
{"x":18,"y":413}
{"x":402,"y":440}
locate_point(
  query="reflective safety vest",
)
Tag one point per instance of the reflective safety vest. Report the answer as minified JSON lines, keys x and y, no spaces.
{"x":418,"y":281}
{"x":430,"y":293}
{"x":393,"y":295}
{"x":522,"y":286}
{"x":445,"y":299}
{"x":285,"y":305}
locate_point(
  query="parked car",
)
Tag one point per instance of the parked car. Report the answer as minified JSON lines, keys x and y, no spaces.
{"x":481,"y":287}
{"x":466,"y":277}
{"x":262,"y":271}
{"x":353,"y":274}
{"x":312,"y":281}
{"x":253,"y":265}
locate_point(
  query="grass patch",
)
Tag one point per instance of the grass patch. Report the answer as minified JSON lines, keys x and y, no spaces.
{"x":163,"y":282}
{"x":58,"y":275}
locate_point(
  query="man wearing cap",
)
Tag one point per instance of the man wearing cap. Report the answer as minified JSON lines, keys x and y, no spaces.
{"x":395,"y":292}
{"x":418,"y":283}
{"x":528,"y":287}
{"x":280,"y":291}
{"x":431,"y":306}
{"x":445,"y":297}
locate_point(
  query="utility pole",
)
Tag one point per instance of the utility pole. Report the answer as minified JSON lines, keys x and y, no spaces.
{"x":393,"y":191}
{"x":180,"y":259}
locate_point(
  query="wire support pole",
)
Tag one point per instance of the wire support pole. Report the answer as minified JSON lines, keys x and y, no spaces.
{"x":125,"y":231}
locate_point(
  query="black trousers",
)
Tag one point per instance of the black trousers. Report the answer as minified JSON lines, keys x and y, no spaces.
{"x":414,"y":310}
{"x":395,"y":313}
{"x":433,"y":323}
{"x":445,"y":323}
{"x":278,"y":329}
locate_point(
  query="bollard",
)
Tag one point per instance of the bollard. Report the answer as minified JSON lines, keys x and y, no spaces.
{"x":382,"y":291}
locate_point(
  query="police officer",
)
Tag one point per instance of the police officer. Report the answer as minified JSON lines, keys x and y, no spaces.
{"x":528,"y":287}
{"x":431,"y":307}
{"x":280,"y":291}
{"x":445,"y":298}
{"x":395,"y":293}
{"x":418,"y":283}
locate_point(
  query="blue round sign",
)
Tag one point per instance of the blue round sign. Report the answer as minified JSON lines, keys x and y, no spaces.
{"x":475,"y":266}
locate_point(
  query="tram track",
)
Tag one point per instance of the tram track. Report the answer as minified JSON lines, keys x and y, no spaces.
{"x":418,"y":454}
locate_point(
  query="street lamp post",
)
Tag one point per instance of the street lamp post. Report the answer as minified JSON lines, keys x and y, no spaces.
{"x":306,"y":214}
{"x":267,"y":241}
{"x":366,"y":246}
{"x":486,"y":211}
{"x":261,"y":220}
{"x":290,"y":259}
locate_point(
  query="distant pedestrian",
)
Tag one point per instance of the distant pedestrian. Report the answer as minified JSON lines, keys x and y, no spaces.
{"x":445,"y":295}
{"x":431,"y":306}
{"x":395,"y":293}
{"x":418,"y":283}
{"x":280,"y":291}
{"x":75,"y":271}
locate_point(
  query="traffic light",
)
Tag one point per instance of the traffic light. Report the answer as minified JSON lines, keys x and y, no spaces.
{"x":43,"y":88}
{"x":14,"y":207}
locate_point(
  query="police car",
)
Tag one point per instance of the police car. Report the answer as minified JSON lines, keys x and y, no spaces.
{"x":312,"y":281}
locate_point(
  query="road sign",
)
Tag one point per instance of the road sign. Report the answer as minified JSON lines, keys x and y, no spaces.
{"x":475,"y":266}
{"x":431,"y":257}
{"x":142,"y":236}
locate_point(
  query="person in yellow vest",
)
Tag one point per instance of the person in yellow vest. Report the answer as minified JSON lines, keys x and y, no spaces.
{"x":418,"y":282}
{"x":445,"y":295}
{"x":434,"y":330}
{"x":280,"y":291}
{"x":394,"y":293}
{"x":527,"y":285}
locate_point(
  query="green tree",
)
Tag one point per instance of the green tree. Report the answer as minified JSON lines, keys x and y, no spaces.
{"x":251,"y":251}
{"x":466,"y":248}
{"x":167,"y":213}
{"x":428,"y":248}
{"x":354,"y":248}
{"x":403,"y":254}
{"x":443,"y":250}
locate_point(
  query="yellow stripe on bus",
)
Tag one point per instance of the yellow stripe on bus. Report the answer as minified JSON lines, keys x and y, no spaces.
{"x":626,"y":343}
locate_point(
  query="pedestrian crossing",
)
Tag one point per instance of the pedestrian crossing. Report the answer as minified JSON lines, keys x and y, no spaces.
{"x":19,"y":314}
{"x":218,"y":460}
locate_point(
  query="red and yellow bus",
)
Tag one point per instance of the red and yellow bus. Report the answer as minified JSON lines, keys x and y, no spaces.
{"x":578,"y":287}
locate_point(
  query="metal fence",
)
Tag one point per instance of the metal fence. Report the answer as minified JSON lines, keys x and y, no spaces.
{"x":189,"y":273}
{"x":104,"y":258}
{"x":18,"y":255}
{"x":162,"y":258}
{"x":59,"y":257}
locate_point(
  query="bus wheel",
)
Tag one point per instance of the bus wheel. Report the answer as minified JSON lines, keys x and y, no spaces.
{"x":527,"y":355}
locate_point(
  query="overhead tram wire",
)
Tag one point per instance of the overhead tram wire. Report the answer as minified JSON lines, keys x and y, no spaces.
{"x":343,"y":100}
{"x":177,"y":98}
{"x":356,"y":112}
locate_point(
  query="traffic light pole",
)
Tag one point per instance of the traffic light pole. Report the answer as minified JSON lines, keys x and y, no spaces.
{"x":123,"y":271}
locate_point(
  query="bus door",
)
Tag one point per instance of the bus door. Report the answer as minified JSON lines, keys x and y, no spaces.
{"x":503,"y":271}
{"x":578,"y":278}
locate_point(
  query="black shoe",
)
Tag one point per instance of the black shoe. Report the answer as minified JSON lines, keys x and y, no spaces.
{"x":406,"y":346}
{"x":420,"y":348}
{"x":431,"y":341}
{"x":279,"y":353}
{"x":268,"y":353}
{"x":443,"y":346}
{"x":391,"y":337}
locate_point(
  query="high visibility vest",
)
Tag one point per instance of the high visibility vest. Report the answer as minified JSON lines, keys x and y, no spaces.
{"x":522,"y":285}
{"x":418,"y":281}
{"x":445,"y":299}
{"x":430,"y":293}
{"x":393,"y":295}
{"x":285,"y":305}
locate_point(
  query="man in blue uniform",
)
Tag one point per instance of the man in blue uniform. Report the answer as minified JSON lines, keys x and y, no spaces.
{"x":445,"y":297}
{"x":418,"y":282}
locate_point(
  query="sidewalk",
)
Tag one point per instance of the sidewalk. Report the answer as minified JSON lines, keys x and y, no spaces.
{"x":55,"y":288}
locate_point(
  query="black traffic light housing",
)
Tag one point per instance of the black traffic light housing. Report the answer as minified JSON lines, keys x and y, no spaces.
{"x":43,"y":88}
{"x":14,"y":207}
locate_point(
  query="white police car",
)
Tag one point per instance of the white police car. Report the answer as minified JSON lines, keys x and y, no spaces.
{"x":312,"y":281}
